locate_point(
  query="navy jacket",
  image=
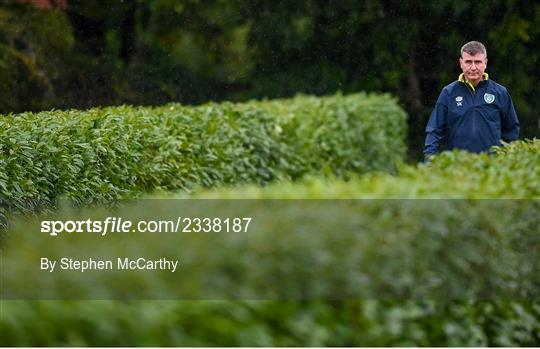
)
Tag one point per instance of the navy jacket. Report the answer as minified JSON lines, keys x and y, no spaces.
{"x":473,"y":119}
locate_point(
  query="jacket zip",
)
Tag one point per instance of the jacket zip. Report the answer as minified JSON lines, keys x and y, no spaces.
{"x":473,"y":94}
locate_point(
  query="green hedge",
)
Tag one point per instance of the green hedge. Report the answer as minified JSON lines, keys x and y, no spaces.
{"x":117,"y":152}
{"x":270,"y":323}
{"x":480,"y":248}
{"x":453,"y":238}
{"x":304,"y":249}
{"x":512,"y":172}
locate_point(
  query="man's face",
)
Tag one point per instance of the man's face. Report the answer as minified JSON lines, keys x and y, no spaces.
{"x":473,"y":66}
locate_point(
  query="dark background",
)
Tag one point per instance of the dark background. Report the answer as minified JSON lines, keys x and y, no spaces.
{"x":84,"y":53}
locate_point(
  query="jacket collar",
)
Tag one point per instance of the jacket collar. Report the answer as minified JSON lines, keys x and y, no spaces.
{"x":468,"y":83}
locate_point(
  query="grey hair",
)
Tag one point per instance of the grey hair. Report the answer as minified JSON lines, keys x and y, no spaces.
{"x":474,"y":47}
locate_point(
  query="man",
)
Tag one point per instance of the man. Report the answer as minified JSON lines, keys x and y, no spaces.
{"x":473,"y":113}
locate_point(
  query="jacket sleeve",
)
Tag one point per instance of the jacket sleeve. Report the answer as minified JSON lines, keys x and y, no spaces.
{"x":436,"y":127}
{"x":509,"y":122}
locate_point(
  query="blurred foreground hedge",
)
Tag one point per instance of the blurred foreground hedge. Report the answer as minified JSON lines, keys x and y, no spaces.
{"x":270,"y":323}
{"x":512,"y":173}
